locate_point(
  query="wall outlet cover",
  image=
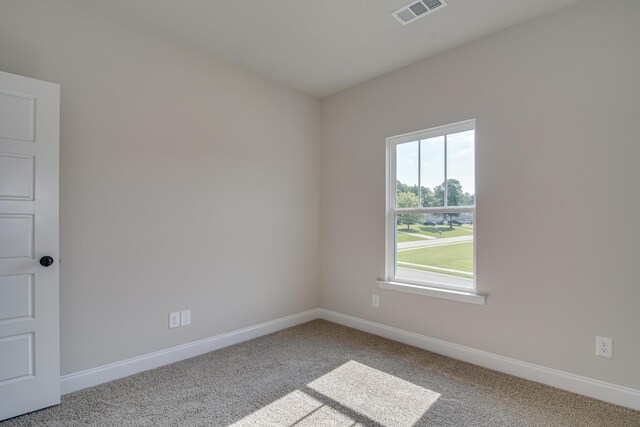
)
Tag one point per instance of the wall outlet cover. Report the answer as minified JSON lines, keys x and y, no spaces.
{"x":174,"y":319}
{"x":375,"y":300}
{"x":185,"y":317}
{"x":604,"y":347}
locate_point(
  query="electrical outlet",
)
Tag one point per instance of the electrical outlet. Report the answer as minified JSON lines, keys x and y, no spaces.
{"x":604,"y":347}
{"x":375,"y":300}
{"x":174,"y":319}
{"x":185,"y":317}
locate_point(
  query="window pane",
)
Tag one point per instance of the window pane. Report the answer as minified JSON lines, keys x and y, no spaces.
{"x":432,"y":171}
{"x":435,"y":248}
{"x":407,"y":175}
{"x":461,"y":183}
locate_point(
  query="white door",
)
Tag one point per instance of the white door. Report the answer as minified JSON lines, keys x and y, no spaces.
{"x":29,"y":319}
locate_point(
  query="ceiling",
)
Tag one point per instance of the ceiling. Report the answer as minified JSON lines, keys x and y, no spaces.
{"x":323,"y":46}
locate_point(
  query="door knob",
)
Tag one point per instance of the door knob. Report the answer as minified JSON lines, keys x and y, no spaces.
{"x":46,"y":261}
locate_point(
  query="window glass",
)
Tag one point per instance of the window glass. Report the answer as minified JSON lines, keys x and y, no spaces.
{"x":461,"y":183}
{"x":435,"y":248}
{"x":407,"y":175}
{"x":432,"y":171}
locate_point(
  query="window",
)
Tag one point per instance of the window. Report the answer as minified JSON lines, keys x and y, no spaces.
{"x":431,"y":208}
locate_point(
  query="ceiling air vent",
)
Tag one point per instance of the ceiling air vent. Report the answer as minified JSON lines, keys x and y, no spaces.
{"x":417,"y":9}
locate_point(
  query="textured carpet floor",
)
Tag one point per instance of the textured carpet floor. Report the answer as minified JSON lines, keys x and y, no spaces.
{"x":320,"y":374}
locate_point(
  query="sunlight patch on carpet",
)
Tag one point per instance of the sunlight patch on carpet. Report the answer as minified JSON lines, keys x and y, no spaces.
{"x":295,"y":409}
{"x":383,"y":398}
{"x":375,"y":395}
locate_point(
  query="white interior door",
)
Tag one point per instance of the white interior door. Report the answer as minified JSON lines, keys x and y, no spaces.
{"x":29,"y":313}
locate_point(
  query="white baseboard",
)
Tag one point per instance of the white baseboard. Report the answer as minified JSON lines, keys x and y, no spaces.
{"x":601,"y":390}
{"x":113,"y":371}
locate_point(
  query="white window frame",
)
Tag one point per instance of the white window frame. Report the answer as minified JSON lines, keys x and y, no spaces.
{"x":436,"y":289}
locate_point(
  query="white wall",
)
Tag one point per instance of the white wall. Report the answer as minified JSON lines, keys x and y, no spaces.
{"x":557,"y":102}
{"x":186,"y":182}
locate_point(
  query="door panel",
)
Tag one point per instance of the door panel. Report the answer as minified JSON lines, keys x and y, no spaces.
{"x":16,"y":177}
{"x":16,"y":236}
{"x":17,"y":116}
{"x":17,"y":354}
{"x":16,"y":297}
{"x":29,"y":313}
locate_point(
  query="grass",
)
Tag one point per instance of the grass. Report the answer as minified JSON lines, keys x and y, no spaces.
{"x":456,"y":257}
{"x":406,"y":237}
{"x":446,"y":273}
{"x":438,"y":231}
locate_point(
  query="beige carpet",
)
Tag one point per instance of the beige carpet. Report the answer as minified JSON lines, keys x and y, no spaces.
{"x":322,"y":374}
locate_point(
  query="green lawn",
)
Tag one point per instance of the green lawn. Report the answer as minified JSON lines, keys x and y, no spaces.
{"x":405,"y":237}
{"x":456,"y":256}
{"x":437,"y":231}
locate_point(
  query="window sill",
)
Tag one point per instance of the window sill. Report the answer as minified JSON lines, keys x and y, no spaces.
{"x":462,"y":296}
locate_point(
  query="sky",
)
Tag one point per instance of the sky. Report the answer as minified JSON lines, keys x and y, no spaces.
{"x":460,"y":162}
